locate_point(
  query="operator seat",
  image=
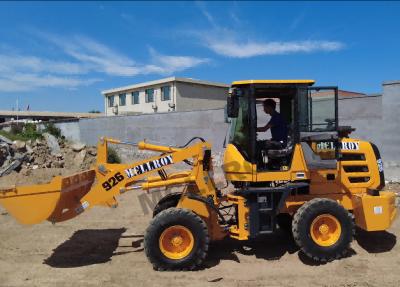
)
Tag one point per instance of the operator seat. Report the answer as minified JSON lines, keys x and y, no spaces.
{"x":281,"y":152}
{"x":314,"y":161}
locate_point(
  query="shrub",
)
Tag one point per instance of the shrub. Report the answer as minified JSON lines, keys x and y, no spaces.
{"x":30,"y":132}
{"x":16,"y":128}
{"x":52,"y":129}
{"x":112,"y":156}
{"x":22,"y":131}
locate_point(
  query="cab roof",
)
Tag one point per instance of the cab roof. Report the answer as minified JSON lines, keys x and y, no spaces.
{"x":278,"y":82}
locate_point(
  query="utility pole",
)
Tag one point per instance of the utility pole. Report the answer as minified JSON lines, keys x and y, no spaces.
{"x":17,"y":110}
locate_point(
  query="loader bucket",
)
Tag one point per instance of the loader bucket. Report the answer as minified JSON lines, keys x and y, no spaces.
{"x":53,"y":201}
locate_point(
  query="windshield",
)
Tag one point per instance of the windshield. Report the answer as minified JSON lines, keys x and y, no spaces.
{"x":317,"y":110}
{"x":239,"y":131}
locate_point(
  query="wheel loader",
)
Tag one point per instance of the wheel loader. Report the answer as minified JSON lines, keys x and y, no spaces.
{"x":320,"y":184}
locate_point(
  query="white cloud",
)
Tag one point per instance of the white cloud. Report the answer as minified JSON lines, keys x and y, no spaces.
{"x":19,"y":82}
{"x":88,"y":57}
{"x":105,"y":60}
{"x":227,"y":42}
{"x":96,"y":56}
{"x":236,"y":49}
{"x":164,"y":64}
{"x":25,"y":73}
{"x":11,"y":62}
{"x":210,"y":18}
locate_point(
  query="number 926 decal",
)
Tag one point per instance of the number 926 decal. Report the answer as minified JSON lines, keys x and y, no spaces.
{"x":113,"y":181}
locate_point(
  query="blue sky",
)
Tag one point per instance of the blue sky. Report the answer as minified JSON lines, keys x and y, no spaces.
{"x":60,"y":56}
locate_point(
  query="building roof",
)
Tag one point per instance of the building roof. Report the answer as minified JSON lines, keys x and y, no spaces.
{"x":163,"y":81}
{"x":388,"y":83}
{"x":246,"y":82}
{"x":341,"y":94}
{"x":48,"y":115}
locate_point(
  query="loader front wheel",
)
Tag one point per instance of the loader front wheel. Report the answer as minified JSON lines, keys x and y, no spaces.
{"x":323,"y":229}
{"x":176,"y":239}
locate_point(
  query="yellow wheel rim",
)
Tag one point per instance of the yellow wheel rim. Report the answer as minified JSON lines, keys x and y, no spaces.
{"x":176,"y":242}
{"x":325,"y":230}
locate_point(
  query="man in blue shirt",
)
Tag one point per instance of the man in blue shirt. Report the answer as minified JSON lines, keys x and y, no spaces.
{"x":277,"y":123}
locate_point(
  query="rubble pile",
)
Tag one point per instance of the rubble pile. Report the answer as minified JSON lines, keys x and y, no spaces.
{"x":49,"y":152}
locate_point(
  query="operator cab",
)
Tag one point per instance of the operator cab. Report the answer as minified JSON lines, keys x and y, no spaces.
{"x":310,"y":114}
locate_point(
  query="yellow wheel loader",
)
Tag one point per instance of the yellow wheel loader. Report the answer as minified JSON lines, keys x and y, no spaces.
{"x":319,"y":183}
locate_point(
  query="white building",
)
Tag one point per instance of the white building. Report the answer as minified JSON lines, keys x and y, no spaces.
{"x":165,"y":95}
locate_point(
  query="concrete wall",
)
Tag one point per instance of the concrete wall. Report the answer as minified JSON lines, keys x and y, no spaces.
{"x":192,"y":96}
{"x":365,"y":115}
{"x":390,"y":128}
{"x":71,"y":130}
{"x":376,"y":120}
{"x":174,"y":128}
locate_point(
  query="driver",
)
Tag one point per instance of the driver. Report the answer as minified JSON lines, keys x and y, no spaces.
{"x":277,"y":123}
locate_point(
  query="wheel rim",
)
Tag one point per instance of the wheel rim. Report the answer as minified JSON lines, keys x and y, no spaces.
{"x":325,"y":230}
{"x":176,"y":242}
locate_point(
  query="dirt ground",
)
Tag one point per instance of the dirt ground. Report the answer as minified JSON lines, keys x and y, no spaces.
{"x":104,"y":247}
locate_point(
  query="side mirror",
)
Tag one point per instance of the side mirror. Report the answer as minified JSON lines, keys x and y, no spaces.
{"x":232,"y":106}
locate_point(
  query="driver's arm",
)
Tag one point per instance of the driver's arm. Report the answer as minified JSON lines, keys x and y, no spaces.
{"x":265,"y":128}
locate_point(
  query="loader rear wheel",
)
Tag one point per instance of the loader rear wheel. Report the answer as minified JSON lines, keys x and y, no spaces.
{"x":176,"y":239}
{"x":323,"y":229}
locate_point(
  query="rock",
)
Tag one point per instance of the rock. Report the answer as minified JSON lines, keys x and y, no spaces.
{"x":4,"y":152}
{"x":7,"y":128}
{"x":52,"y":143}
{"x":20,"y":156}
{"x":25,"y":172}
{"x":77,"y":147}
{"x":6,"y":140}
{"x":80,"y":157}
{"x":92,"y":151}
{"x":11,"y":167}
{"x":59,"y":156}
{"x":19,"y":145}
{"x":38,"y":142}
{"x":39,"y":160}
{"x":35,"y":166}
{"x":29,"y":150}
{"x":58,"y":164}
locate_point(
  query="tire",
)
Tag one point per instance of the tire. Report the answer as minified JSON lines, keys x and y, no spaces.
{"x":284,"y":221}
{"x":323,"y":229}
{"x":162,"y":231}
{"x":168,"y":201}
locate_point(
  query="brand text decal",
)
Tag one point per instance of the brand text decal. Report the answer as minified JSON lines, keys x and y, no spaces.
{"x":148,"y":166}
{"x":343,"y":145}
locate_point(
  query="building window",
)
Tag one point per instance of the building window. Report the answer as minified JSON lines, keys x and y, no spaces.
{"x":135,"y":98}
{"x":110,"y":101}
{"x":149,"y":95}
{"x":122,"y":99}
{"x":165,"y":93}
